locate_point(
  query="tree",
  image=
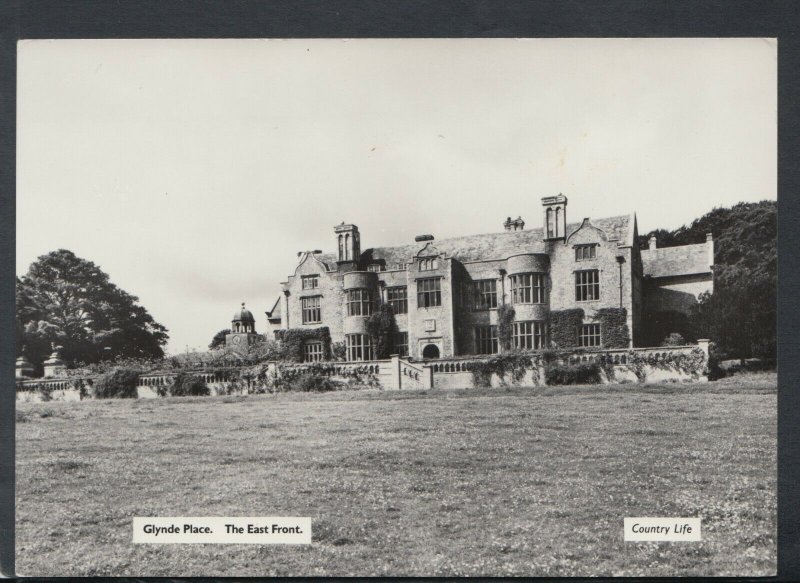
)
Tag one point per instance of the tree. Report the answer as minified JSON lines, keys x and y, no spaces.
{"x":69,"y":301}
{"x":382,"y":329}
{"x":219,"y":339}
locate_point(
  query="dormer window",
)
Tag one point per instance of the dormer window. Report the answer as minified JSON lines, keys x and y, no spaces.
{"x":375,"y":267}
{"x":428,"y":264}
{"x":585,"y":252}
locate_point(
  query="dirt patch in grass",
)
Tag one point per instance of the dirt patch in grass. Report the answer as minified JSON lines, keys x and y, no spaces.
{"x":471,"y":482}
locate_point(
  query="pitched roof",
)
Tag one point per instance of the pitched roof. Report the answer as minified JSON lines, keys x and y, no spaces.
{"x":497,"y":245}
{"x":671,"y":261}
{"x":275,"y":312}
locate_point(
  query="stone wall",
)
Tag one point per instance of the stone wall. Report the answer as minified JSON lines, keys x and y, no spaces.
{"x":625,"y":365}
{"x":677,"y":294}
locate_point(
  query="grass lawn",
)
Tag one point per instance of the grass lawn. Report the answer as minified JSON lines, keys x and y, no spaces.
{"x":526,"y":481}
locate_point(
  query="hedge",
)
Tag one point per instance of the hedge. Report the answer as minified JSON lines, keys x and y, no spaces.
{"x":572,"y":374}
{"x":119,"y":383}
{"x":186,"y":385}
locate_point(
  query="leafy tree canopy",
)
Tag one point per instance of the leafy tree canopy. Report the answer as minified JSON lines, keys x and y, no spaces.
{"x":69,"y":301}
{"x":219,"y":339}
{"x":382,"y":329}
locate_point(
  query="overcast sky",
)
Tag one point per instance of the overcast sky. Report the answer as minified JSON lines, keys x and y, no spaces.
{"x":193,"y":171}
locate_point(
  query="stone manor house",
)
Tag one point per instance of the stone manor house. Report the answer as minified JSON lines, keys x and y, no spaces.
{"x":445,"y":294}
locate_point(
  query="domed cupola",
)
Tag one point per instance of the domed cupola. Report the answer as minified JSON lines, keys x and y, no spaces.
{"x":243,"y":330}
{"x":243,"y":321}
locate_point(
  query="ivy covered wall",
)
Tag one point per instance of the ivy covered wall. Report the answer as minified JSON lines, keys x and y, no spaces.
{"x":613,"y":327}
{"x":292,"y":342}
{"x":564,"y":326}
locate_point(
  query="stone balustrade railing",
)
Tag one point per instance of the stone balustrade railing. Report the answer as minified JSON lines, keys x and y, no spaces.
{"x":615,"y":356}
{"x":394,"y":373}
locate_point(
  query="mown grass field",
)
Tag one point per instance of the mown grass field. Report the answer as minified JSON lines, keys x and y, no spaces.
{"x":529,"y":482}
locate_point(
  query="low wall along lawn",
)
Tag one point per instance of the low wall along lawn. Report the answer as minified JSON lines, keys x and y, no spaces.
{"x":642,"y":365}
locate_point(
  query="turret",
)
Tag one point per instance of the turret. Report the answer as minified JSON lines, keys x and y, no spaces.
{"x":243,"y":330}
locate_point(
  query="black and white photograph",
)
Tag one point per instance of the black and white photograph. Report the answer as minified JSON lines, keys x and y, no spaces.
{"x":475,"y":307}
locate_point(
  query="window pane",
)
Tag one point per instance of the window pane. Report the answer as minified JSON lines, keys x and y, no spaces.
{"x":485,"y":294}
{"x":312,"y":351}
{"x":398,"y":299}
{"x":527,"y":288}
{"x":429,"y":293}
{"x":401,"y":343}
{"x":359,"y":302}
{"x":590,"y":335}
{"x":486,"y":340}
{"x":358,"y":347}
{"x":587,"y":285}
{"x":310,"y":308}
{"x":529,"y":335}
{"x":310,"y":281}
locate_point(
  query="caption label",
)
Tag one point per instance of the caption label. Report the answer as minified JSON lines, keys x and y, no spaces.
{"x":257,"y":530}
{"x":670,"y":529}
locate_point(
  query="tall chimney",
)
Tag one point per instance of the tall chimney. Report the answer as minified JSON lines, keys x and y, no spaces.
{"x":555,"y":216}
{"x":349,"y":242}
{"x":652,"y":242}
{"x":710,"y":246}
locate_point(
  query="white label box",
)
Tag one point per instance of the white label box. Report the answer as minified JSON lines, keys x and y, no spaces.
{"x":662,"y":528}
{"x":258,"y":530}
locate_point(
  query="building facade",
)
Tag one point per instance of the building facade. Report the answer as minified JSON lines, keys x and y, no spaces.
{"x":446,"y":294}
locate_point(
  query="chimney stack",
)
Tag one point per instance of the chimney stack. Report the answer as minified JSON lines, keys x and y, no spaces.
{"x":514,"y":225}
{"x":710,"y":245}
{"x":652,"y":242}
{"x":555,"y":216}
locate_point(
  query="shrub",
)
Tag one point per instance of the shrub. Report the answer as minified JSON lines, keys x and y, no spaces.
{"x":660,"y":324}
{"x":310,"y":381}
{"x":119,"y":383}
{"x":713,"y":368}
{"x":338,"y":351}
{"x":674,"y":339}
{"x":319,"y":376}
{"x":45,"y":393}
{"x":572,"y":374}
{"x":186,"y":385}
{"x":514,"y":363}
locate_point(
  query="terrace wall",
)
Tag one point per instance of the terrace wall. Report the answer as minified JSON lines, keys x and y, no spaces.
{"x":620,"y":365}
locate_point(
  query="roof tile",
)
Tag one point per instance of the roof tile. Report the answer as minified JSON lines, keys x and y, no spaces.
{"x":671,"y":261}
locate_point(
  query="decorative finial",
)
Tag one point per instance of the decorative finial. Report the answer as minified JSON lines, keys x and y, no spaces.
{"x":242,"y":305}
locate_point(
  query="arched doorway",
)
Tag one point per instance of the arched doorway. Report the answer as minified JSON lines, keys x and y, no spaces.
{"x":430,"y":351}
